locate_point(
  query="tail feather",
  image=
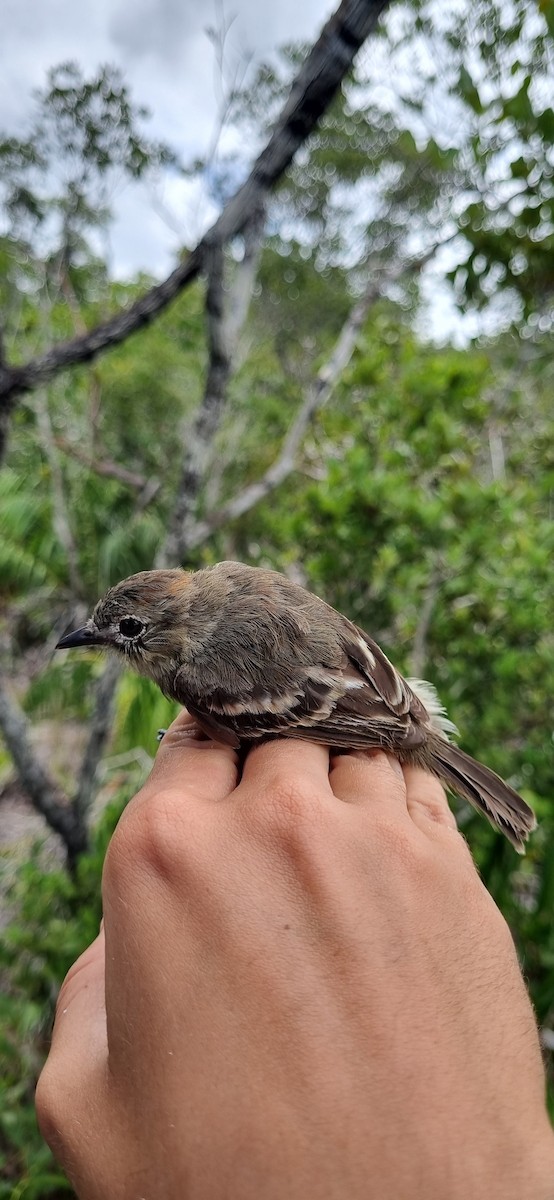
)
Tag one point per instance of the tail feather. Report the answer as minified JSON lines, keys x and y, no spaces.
{"x":485,"y":790}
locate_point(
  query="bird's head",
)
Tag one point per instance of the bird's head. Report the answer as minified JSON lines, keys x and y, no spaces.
{"x":143,"y":618}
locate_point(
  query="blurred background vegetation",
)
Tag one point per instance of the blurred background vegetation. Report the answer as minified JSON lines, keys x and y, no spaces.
{"x":409,"y":482}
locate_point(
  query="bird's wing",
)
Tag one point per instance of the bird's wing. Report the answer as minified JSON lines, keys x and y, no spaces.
{"x":360,"y":701}
{"x":375,"y":708}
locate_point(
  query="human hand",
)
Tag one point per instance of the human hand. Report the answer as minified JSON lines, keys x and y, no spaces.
{"x":302,"y":989}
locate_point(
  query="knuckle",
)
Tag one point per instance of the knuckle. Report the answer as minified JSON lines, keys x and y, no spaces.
{"x":288,"y":810}
{"x":51,"y":1108}
{"x":215,"y":772}
{"x":206,"y":769}
{"x":436,"y":809}
{"x":154,"y":835}
{"x":427,"y":796}
{"x":397,"y":843}
{"x":67,"y":1092}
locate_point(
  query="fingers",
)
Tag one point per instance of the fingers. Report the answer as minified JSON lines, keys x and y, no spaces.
{"x":368,"y":777}
{"x":375,"y":778}
{"x":287,"y":761}
{"x":190,"y":770}
{"x":359,"y":777}
{"x":189,"y":760}
{"x":426,"y":800}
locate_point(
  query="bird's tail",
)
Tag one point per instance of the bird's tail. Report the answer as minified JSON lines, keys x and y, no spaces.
{"x":486,"y":791}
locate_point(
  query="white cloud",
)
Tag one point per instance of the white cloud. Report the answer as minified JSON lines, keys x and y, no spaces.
{"x":167,"y":60}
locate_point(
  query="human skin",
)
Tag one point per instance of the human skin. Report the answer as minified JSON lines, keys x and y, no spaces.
{"x":302,"y":991}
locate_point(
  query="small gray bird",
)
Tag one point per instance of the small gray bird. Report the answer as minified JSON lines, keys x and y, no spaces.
{"x":252,"y":655}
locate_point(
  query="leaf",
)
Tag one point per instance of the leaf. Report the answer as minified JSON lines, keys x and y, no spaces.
{"x":469,"y":90}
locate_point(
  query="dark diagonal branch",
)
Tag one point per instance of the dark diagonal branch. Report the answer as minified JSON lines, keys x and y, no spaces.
{"x":66,"y":816}
{"x":45,"y":794}
{"x":316,"y":83}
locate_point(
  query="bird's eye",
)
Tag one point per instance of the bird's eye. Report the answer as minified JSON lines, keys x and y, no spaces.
{"x":130,"y":627}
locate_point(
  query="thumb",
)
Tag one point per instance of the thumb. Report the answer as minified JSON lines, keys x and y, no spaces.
{"x":189,"y":760}
{"x":80,"y":1006}
{"x":79,"y":1040}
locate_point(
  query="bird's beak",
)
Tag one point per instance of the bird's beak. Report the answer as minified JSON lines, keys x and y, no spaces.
{"x":88,"y":635}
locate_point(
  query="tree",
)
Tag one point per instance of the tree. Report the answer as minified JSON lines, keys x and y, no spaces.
{"x":317,"y":81}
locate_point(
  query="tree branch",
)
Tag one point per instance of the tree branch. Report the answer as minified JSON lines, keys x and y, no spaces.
{"x":317,"y":395}
{"x":225,"y":315}
{"x":244,"y":280}
{"x":316,"y":83}
{"x":418,"y":656}
{"x":60,"y":518}
{"x":105,"y":467}
{"x":46,"y":795}
{"x":68,"y":818}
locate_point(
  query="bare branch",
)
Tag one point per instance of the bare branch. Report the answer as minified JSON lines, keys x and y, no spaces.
{"x":67,"y":819}
{"x":418,"y":656}
{"x":244,"y":280}
{"x":79,"y":324}
{"x":316,"y":83}
{"x":225,"y":316}
{"x":199,"y":438}
{"x":45,"y":794}
{"x":61,"y":523}
{"x":105,"y":467}
{"x":315,"y":398}
{"x":68,"y":291}
{"x":496,"y":450}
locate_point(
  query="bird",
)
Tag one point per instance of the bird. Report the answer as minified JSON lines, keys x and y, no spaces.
{"x":251,"y":654}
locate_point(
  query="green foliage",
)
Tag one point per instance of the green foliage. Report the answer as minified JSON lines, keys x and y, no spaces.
{"x":84,"y":131}
{"x":444,"y":128}
{"x":30,"y":555}
{"x":52,"y":919}
{"x":141,"y":712}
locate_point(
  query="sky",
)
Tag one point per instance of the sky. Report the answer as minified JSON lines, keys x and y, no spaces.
{"x":167,"y":59}
{"x":168,"y":62}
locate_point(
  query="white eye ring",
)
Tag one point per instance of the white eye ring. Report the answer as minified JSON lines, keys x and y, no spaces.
{"x":131,"y":627}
